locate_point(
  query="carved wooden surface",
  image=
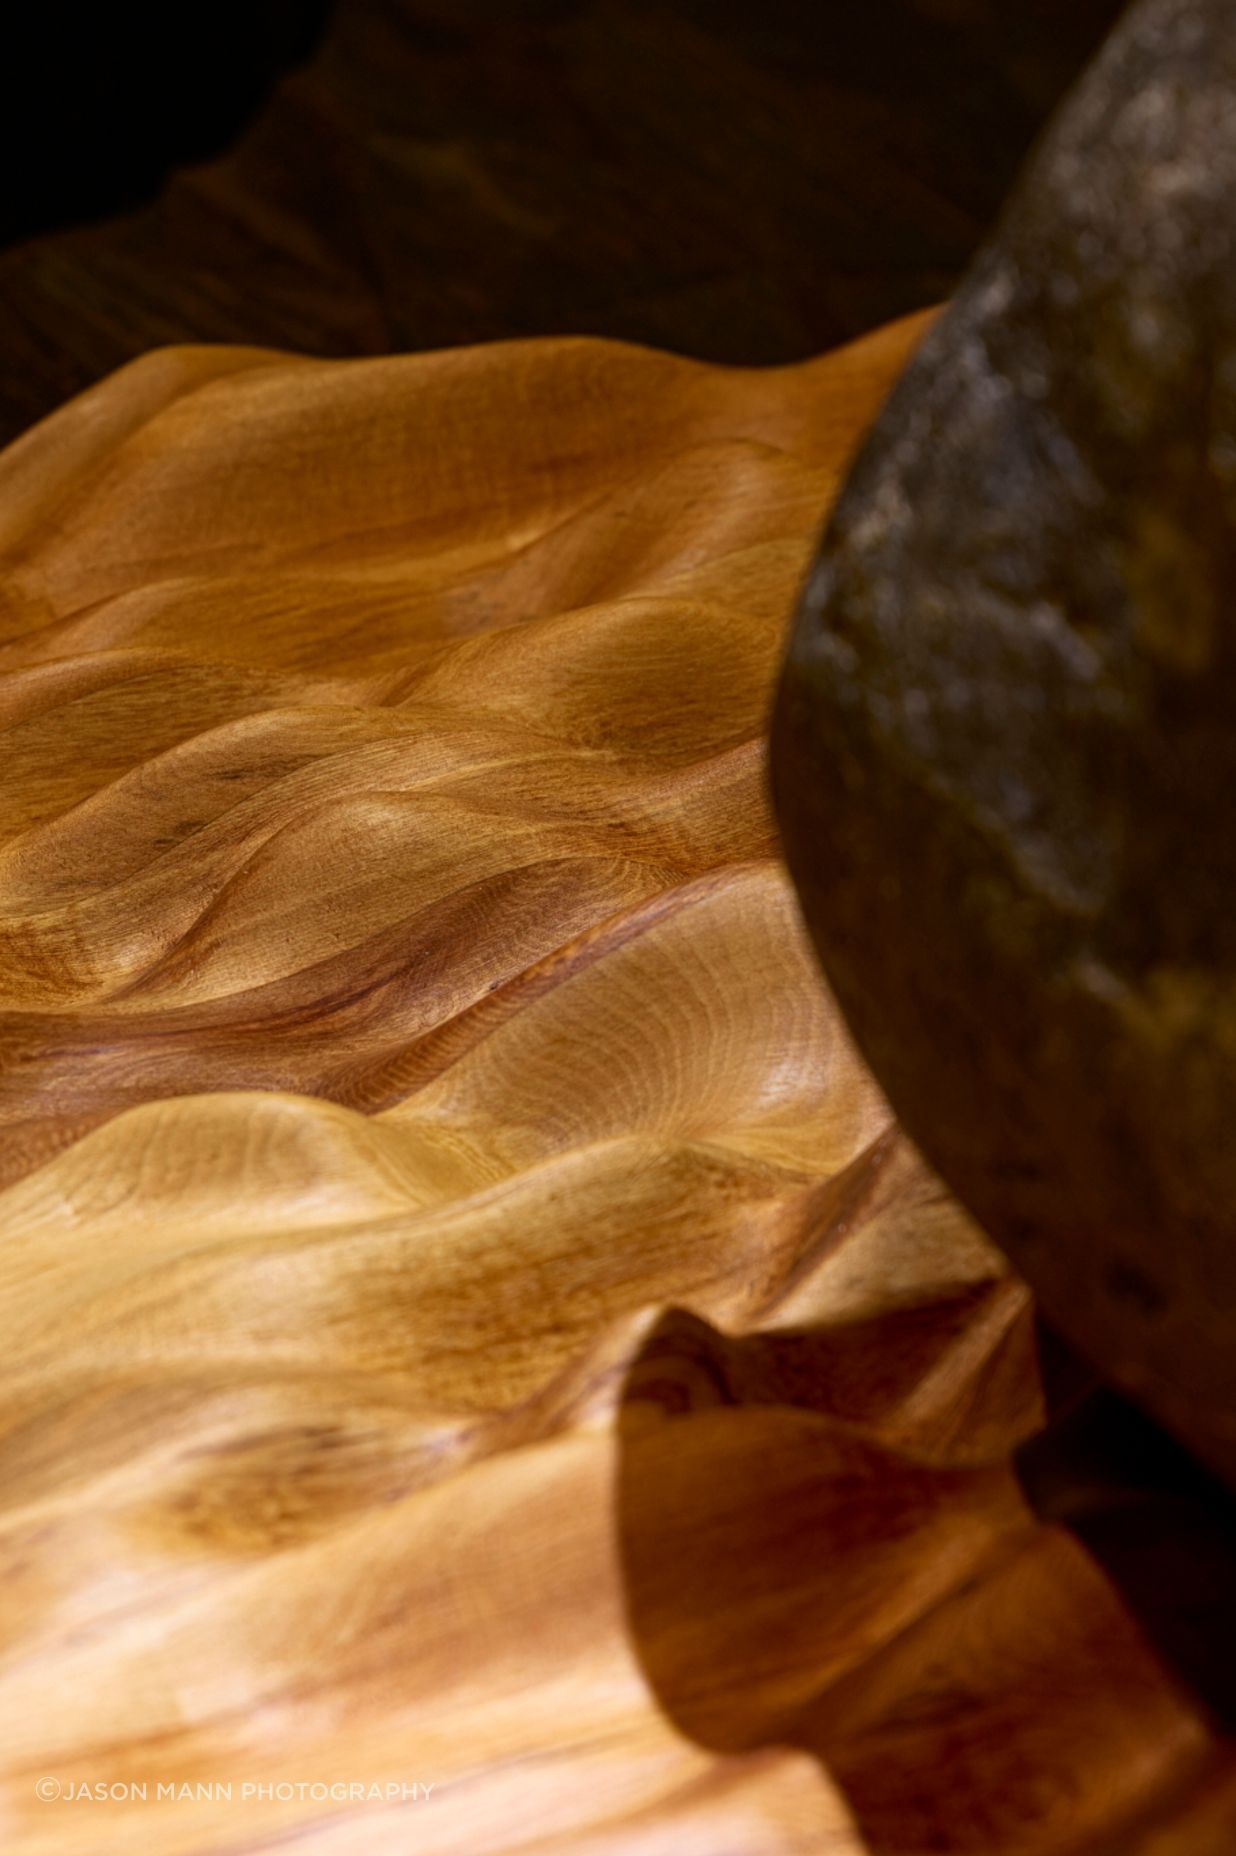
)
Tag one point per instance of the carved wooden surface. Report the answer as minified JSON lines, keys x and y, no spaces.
{"x":469,"y":1321}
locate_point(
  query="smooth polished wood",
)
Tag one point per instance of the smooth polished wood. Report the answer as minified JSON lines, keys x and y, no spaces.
{"x":469,"y":1320}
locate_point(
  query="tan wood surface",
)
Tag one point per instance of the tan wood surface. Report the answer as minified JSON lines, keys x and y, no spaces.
{"x":468,"y":1318}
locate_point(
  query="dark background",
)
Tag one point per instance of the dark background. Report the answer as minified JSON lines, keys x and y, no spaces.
{"x":743,"y":180}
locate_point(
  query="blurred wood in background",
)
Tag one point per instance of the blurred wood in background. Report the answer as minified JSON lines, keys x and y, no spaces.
{"x":739,"y":182}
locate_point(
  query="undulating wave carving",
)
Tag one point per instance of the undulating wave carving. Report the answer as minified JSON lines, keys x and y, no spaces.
{"x":469,"y":1319}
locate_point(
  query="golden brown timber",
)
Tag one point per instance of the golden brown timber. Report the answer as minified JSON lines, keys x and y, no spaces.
{"x":469,"y":1321}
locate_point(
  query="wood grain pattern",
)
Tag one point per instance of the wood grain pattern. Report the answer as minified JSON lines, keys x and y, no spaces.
{"x":469,"y":1320}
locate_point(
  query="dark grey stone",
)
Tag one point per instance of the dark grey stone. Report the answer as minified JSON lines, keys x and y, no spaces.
{"x":1004,"y":747}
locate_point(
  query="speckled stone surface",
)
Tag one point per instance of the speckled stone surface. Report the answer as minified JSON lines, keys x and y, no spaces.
{"x":1005,"y":743}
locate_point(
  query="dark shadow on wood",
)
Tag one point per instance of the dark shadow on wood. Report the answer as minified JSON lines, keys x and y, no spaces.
{"x":1161,"y":1527}
{"x":966,"y":1677}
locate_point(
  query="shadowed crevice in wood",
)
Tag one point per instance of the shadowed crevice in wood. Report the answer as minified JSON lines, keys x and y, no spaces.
{"x":1160,"y":1526}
